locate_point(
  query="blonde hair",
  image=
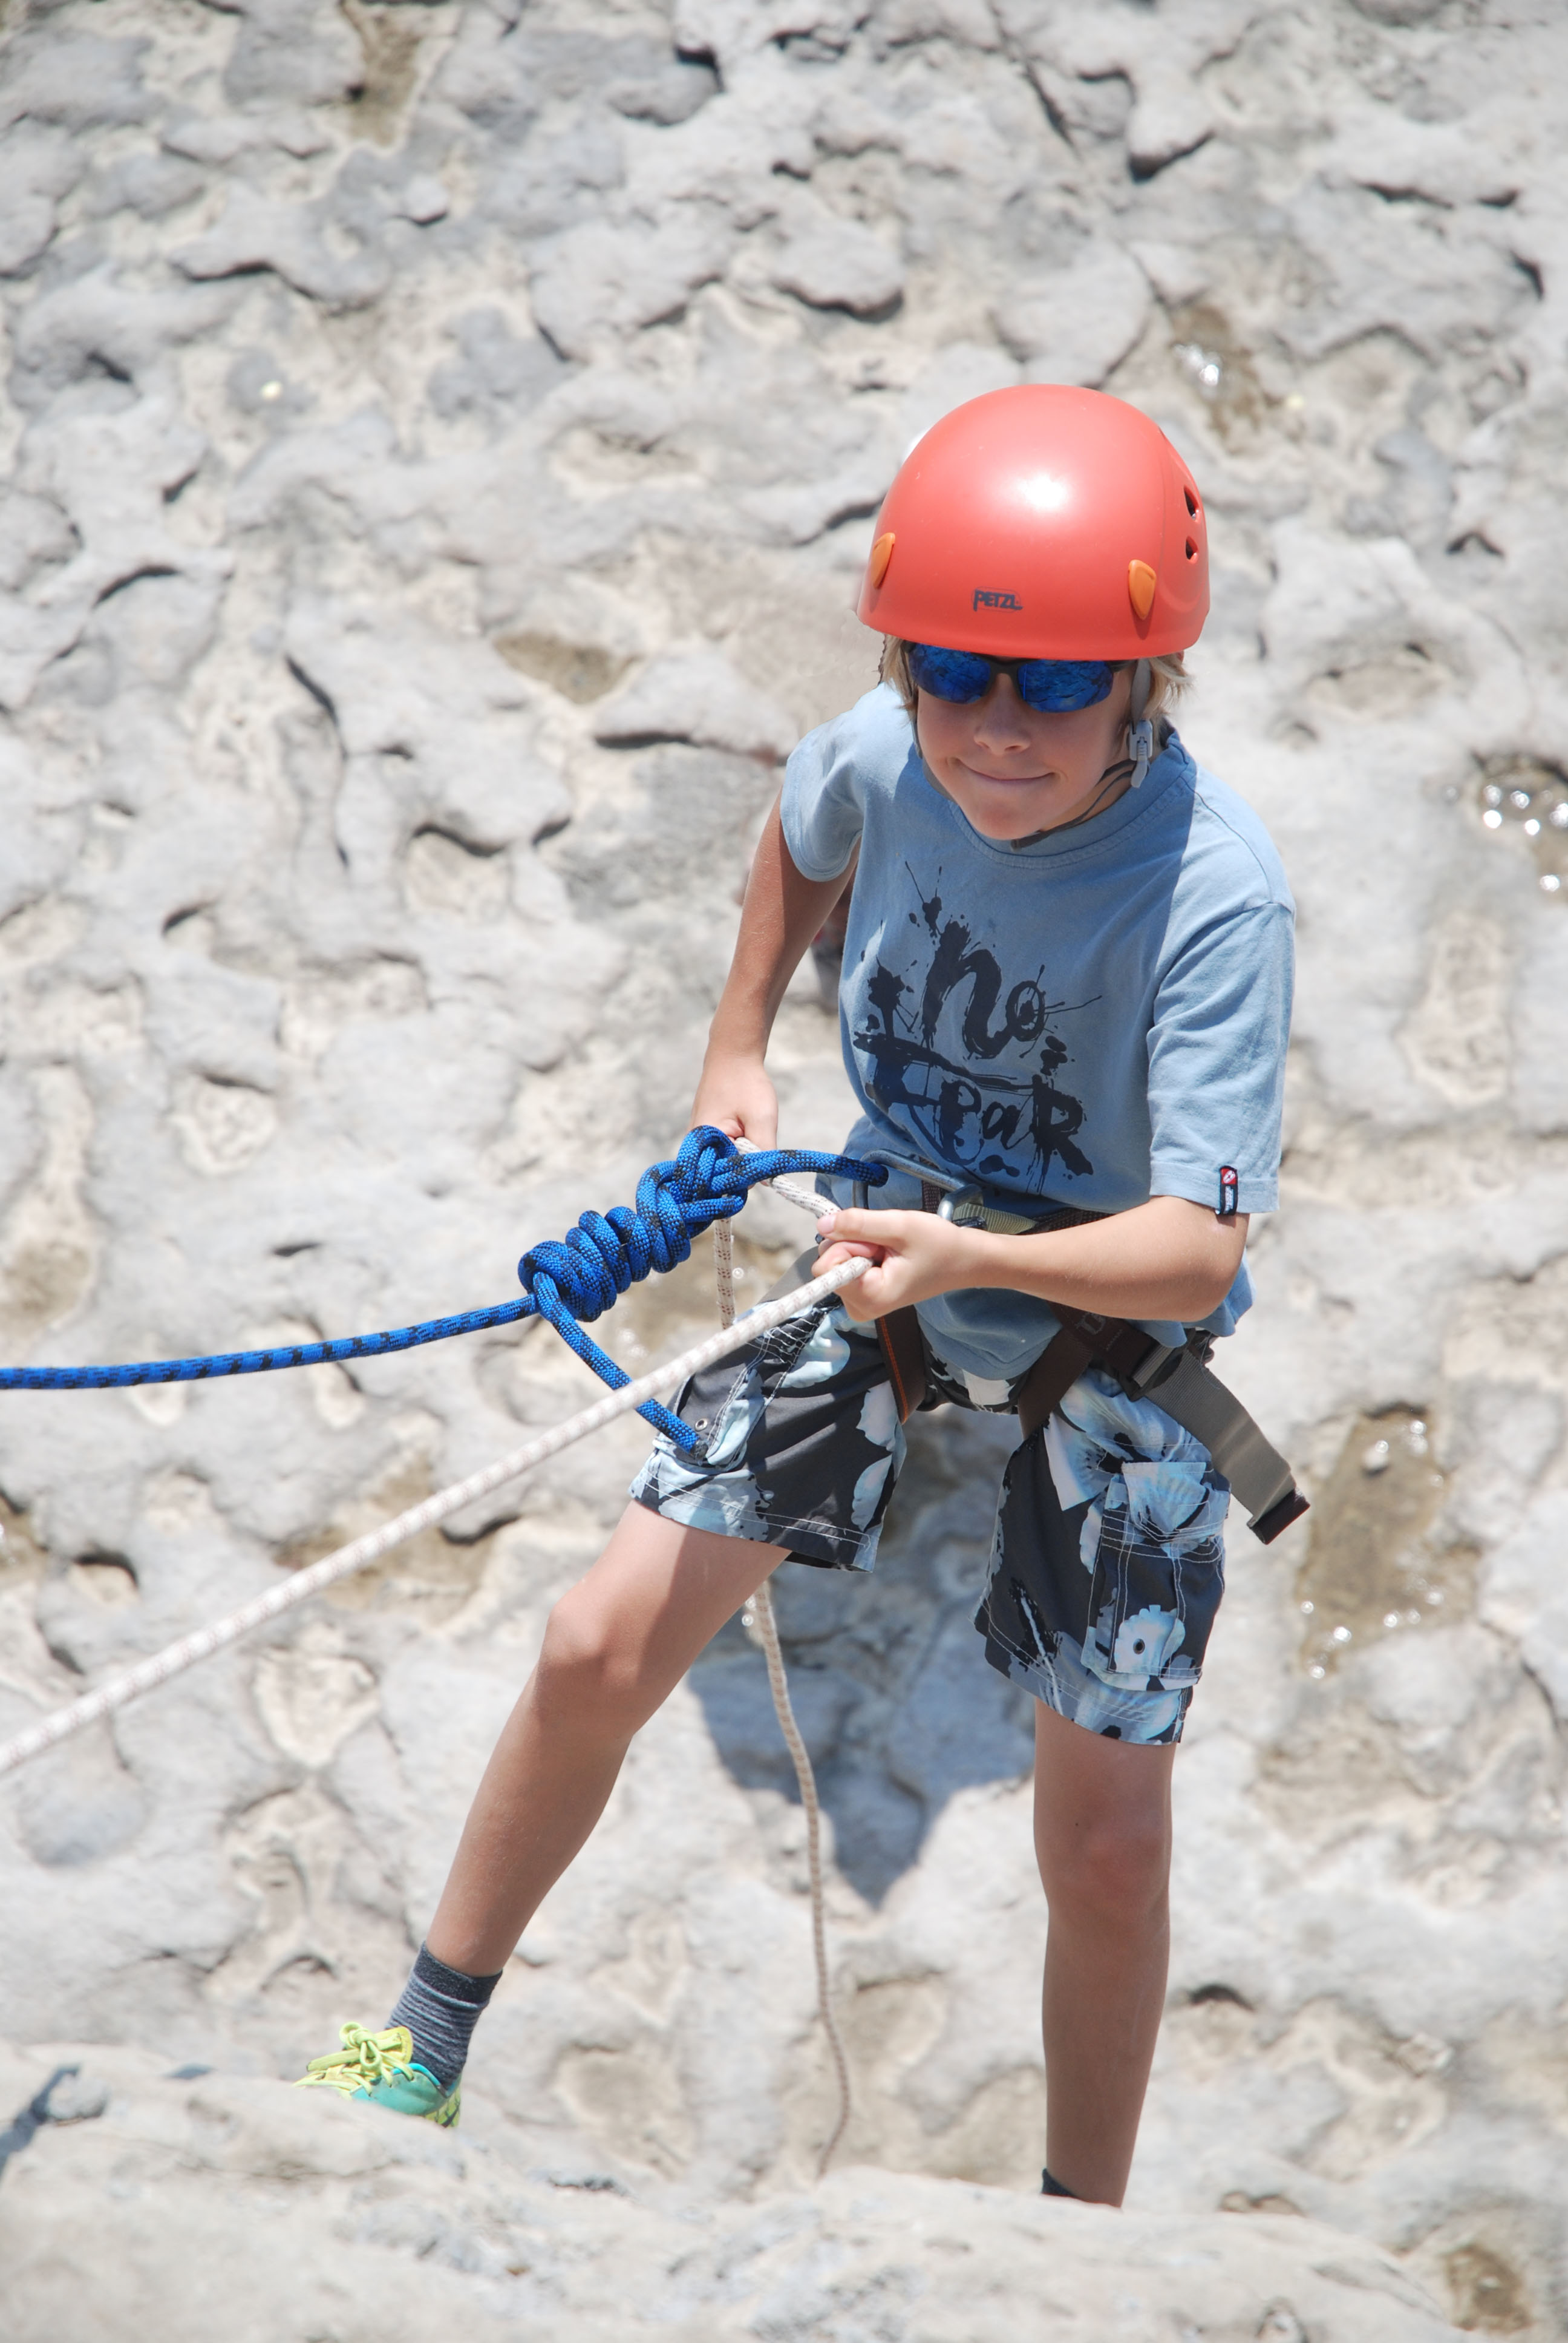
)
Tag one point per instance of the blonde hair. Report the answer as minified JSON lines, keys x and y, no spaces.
{"x":1168,"y":676}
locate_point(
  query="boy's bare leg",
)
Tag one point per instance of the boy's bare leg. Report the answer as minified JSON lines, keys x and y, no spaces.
{"x":615,"y":1648}
{"x":1103,"y":1836}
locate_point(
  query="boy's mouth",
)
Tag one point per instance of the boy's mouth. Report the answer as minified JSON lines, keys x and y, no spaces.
{"x":1005,"y":781}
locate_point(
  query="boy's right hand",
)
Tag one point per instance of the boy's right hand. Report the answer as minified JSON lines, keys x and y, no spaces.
{"x":736,"y":1096}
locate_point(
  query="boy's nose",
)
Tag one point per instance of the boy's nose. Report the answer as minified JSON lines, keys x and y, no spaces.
{"x":1000,"y":720}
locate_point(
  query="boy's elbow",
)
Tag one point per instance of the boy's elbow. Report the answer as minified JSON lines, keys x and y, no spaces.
{"x":1203,"y":1298}
{"x":1212,"y":1264}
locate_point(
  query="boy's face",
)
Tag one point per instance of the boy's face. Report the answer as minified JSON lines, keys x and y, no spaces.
{"x":1012,"y":770}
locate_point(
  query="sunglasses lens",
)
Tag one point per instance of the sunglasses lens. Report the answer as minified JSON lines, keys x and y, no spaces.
{"x":958,"y":676}
{"x":1052,"y":686}
{"x":1057,"y":685}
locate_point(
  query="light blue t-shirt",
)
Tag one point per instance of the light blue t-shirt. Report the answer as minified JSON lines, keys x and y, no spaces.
{"x":1092,"y":1019}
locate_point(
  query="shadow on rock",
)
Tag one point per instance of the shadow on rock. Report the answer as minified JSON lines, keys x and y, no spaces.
{"x":888,"y":1677}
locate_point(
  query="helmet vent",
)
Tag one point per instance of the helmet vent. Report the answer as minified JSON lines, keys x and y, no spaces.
{"x":1192,"y":502}
{"x":1191,"y":548}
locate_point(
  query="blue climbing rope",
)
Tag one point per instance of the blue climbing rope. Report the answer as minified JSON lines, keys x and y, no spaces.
{"x":261,"y":1362}
{"x":707,"y":1180}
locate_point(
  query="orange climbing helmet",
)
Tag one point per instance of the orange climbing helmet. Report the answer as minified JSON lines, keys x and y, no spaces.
{"x":1041,"y":522}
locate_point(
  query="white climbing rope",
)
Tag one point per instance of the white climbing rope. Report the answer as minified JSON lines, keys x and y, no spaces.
{"x":149,"y":1673}
{"x":761,"y":1610}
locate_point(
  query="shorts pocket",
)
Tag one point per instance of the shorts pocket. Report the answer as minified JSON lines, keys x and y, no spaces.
{"x":1152,"y":1601}
{"x":723,"y":1404}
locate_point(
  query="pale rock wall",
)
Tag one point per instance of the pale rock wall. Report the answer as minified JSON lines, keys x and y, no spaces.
{"x":439,"y":444}
{"x":295,"y":2217}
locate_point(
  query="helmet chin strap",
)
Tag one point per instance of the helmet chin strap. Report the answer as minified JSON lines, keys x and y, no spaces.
{"x":1140,"y":730}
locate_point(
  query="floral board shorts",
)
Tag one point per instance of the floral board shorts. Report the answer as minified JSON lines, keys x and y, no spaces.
{"x":1108,"y":1558}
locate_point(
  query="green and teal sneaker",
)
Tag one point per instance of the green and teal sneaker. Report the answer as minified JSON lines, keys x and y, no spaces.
{"x":381,"y":2068}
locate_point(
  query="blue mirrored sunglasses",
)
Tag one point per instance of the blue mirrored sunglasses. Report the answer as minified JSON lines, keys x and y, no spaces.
{"x":1050,"y":686}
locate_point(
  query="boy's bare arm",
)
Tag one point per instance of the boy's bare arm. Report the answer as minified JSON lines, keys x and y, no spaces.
{"x":781,"y":913}
{"x":1165,"y":1259}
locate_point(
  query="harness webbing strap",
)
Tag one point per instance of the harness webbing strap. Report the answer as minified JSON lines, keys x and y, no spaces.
{"x":1259,"y":1475}
{"x":1178,"y":1383}
{"x":1050,"y":1380}
{"x":904,"y":1349}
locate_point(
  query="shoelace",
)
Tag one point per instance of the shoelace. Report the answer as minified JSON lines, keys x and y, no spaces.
{"x":365,"y":2058}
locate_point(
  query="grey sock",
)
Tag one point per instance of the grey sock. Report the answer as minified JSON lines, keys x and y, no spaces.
{"x":440,"y":2008}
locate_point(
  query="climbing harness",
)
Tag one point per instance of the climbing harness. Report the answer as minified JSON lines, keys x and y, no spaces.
{"x":1175,"y":1376}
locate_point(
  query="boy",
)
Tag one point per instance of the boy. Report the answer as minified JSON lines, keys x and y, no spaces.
{"x":1064,"y":1005}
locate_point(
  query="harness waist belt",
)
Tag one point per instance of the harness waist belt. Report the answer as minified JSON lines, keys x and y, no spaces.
{"x":1178,"y":1380}
{"x":1175,"y":1379}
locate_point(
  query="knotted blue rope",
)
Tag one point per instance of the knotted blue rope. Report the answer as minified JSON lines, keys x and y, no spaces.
{"x":707,"y":1180}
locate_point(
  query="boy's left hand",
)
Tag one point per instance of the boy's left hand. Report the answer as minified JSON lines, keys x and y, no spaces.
{"x":917,"y":1255}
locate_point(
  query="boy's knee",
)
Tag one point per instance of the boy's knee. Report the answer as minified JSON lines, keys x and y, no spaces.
{"x":587,"y":1664}
{"x":1113,"y":1870}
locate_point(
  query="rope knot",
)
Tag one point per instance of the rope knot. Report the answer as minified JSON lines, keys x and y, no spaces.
{"x":581,"y":1276}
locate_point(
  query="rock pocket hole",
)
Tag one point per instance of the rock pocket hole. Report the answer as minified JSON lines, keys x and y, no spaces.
{"x":21,"y":1555}
{"x":578,"y":671}
{"x":1488,"y":2293}
{"x":1217,"y":364}
{"x":105,"y":1578}
{"x":1376,"y":1563}
{"x":1385,"y":684}
{"x":389,"y":39}
{"x":1520,"y":794}
{"x":446,"y":877}
{"x":192,"y":930}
